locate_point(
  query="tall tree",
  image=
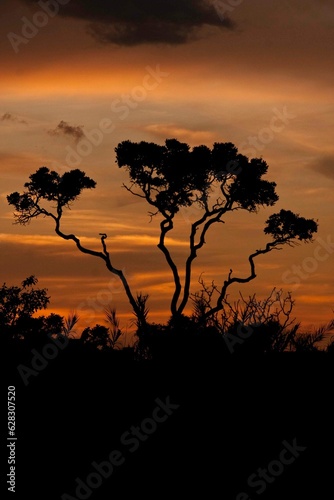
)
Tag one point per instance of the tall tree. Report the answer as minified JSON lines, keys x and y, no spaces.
{"x":173,"y":176}
{"x":47,"y":195}
{"x":170,"y":177}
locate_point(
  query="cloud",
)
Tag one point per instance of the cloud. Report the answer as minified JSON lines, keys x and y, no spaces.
{"x":324,"y":165}
{"x":12,"y":118}
{"x":134,"y":22}
{"x":183,"y":134}
{"x":63,"y":128}
{"x":121,"y":242}
{"x":7,"y":117}
{"x":146,"y":240}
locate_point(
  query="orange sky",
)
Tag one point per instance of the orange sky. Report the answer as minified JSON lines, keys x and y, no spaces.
{"x":226,"y":85}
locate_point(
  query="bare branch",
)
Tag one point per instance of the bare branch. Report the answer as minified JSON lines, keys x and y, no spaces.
{"x":215,"y":215}
{"x":269,"y":247}
{"x":133,"y":192}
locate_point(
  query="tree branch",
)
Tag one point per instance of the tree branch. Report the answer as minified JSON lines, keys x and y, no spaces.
{"x":218,"y":212}
{"x":102,"y":255}
{"x":133,"y":192}
{"x":269,"y":247}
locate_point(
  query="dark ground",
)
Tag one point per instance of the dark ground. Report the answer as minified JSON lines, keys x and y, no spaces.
{"x":234,"y":414}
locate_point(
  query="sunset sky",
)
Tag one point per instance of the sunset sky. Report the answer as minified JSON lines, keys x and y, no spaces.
{"x":256,"y":73}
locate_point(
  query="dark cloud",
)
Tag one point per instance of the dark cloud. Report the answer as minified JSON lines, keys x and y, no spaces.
{"x":12,"y":118}
{"x":63,"y":128}
{"x":134,"y":22}
{"x":7,"y":116}
{"x":324,"y":165}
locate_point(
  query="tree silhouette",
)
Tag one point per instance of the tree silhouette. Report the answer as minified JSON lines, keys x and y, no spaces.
{"x":19,"y":303}
{"x":97,"y":336}
{"x":173,"y":176}
{"x":59,"y":192}
{"x":170,"y":177}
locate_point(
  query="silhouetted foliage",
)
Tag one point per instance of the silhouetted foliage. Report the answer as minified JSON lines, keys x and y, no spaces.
{"x":173,"y":176}
{"x":115,"y":333}
{"x":48,"y":185}
{"x":170,"y":177}
{"x":330,"y":346}
{"x":287,"y":226}
{"x":142,"y":312}
{"x":103,"y":337}
{"x":19,"y":303}
{"x":69,"y":324}
{"x":59,"y":192}
{"x":247,"y":326}
{"x":309,"y":342}
{"x":53,"y":324}
{"x":97,"y":336}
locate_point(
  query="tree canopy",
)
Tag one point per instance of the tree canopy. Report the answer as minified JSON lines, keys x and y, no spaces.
{"x":48,"y":185}
{"x":173,"y":175}
{"x":18,"y":304}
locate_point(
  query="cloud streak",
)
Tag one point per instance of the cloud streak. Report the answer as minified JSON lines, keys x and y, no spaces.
{"x":324,"y":165}
{"x":8,"y":117}
{"x":64,"y":128}
{"x":135,"y":22}
{"x":182,"y":133}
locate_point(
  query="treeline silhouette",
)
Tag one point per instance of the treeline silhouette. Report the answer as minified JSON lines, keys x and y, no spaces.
{"x":78,"y":392}
{"x":247,"y":326}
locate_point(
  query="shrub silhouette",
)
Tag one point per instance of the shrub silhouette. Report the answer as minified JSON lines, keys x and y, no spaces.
{"x":17,"y":306}
{"x":103,"y":337}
